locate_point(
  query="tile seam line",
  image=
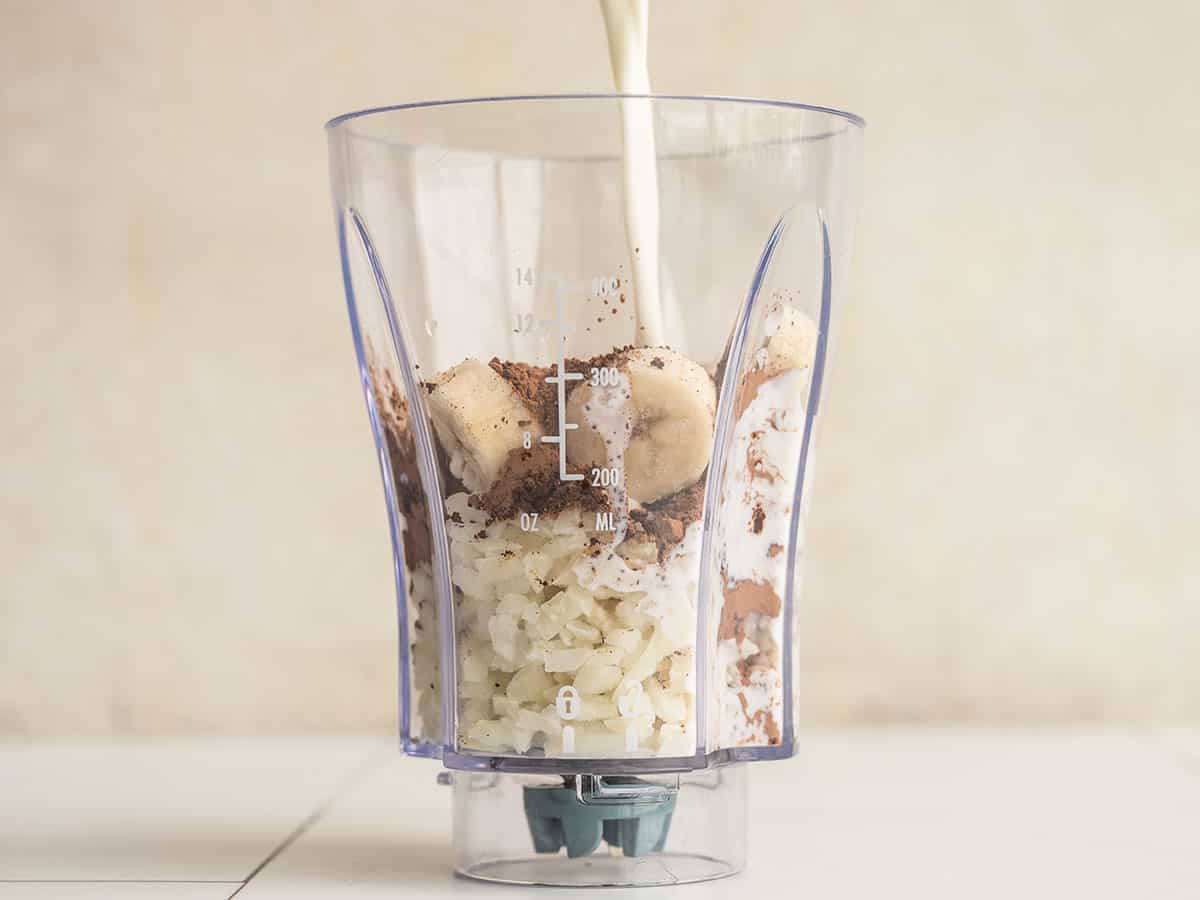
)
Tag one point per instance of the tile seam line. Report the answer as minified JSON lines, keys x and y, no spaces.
{"x":369,"y":764}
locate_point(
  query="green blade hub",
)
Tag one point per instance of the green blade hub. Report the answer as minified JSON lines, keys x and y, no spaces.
{"x":558,"y":818}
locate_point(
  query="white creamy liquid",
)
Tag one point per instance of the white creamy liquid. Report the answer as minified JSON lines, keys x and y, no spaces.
{"x":627,"y":23}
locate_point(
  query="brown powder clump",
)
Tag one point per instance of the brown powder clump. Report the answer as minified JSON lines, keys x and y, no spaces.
{"x":617,"y":357}
{"x":529,"y":483}
{"x":665,"y":531}
{"x":529,"y":383}
{"x":748,"y":389}
{"x":395,"y":419}
{"x":741,"y":599}
{"x":764,"y":719}
{"x":666,"y":520}
{"x":686,"y":505}
{"x":756,"y":461}
{"x":541,"y":397}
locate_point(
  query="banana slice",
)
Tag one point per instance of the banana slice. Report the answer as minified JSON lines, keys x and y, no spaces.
{"x":478,"y":419}
{"x":669,"y":404}
{"x":792,"y":341}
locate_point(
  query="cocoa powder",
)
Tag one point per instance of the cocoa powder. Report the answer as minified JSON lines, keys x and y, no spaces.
{"x":764,"y":719}
{"x":529,"y":482}
{"x":748,"y":389}
{"x":756,"y":461}
{"x":392,"y":409}
{"x":529,"y":383}
{"x":541,"y":397}
{"x":741,"y":599}
{"x":666,"y":520}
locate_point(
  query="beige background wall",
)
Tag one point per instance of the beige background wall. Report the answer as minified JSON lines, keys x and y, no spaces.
{"x":193,"y":535}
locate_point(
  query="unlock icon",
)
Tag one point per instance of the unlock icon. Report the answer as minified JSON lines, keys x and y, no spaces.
{"x":629,"y":702}
{"x":628,"y":705}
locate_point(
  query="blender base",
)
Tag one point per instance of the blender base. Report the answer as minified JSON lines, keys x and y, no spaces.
{"x":601,"y":870}
{"x":576,"y":831}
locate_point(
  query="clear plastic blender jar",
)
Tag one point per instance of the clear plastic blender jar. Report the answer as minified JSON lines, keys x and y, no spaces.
{"x":597,"y":523}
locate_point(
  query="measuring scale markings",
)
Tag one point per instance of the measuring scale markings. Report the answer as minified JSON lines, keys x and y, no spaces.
{"x":567,"y":701}
{"x":561,"y":379}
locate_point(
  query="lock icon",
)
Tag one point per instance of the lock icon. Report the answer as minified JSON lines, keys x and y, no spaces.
{"x":566,"y":703}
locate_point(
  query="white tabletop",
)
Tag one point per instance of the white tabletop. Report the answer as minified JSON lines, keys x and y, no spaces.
{"x":860,"y":814}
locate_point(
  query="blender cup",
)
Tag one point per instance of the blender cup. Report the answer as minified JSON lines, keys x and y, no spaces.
{"x":596,"y":486}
